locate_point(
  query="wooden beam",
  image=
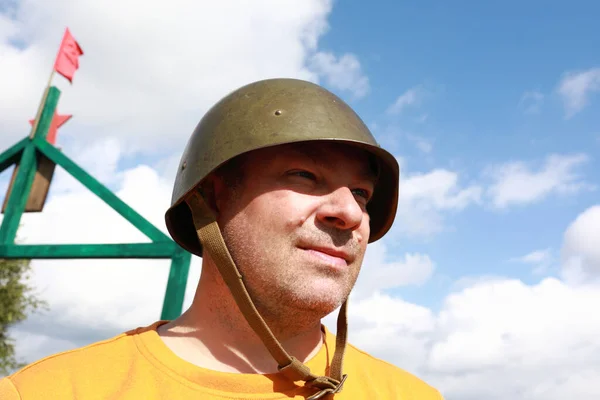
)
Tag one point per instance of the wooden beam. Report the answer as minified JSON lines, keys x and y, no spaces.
{"x":47,"y":115}
{"x":11,"y":155}
{"x":66,"y":251}
{"x":101,"y":191}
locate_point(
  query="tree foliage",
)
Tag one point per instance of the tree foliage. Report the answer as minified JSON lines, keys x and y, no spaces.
{"x":17,"y":301}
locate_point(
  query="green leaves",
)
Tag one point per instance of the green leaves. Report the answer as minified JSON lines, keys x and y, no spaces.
{"x":16,"y":302}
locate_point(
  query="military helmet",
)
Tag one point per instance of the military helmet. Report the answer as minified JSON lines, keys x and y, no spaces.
{"x":268,"y":113}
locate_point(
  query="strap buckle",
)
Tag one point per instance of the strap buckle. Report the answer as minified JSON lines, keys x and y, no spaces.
{"x":324,"y":392}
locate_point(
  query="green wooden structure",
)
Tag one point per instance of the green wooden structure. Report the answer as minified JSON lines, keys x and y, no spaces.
{"x":27,"y":154}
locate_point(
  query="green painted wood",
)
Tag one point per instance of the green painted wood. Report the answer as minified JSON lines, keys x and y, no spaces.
{"x":65,"y":251}
{"x":18,"y":196}
{"x":47,"y":113}
{"x":11,"y":155}
{"x":101,"y":191}
{"x":27,"y":167}
{"x":162,"y":246}
{"x":176,"y":284}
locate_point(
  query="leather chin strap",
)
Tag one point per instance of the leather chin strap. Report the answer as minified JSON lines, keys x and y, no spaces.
{"x":212,"y":241}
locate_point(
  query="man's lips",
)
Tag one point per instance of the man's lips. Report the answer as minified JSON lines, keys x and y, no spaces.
{"x":329,"y":255}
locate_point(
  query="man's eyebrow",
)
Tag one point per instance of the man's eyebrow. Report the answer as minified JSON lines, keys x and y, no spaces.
{"x":369,"y":173}
{"x":372,"y":171}
{"x":370,"y":177}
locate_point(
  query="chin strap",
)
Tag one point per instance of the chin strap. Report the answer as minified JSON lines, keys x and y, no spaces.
{"x":212,"y":242}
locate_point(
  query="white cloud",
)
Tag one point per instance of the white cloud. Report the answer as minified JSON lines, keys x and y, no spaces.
{"x":150,"y":70}
{"x":576,"y":87}
{"x":411,"y":97}
{"x":343,"y":73}
{"x":7,"y":27}
{"x":487,"y":343}
{"x":99,"y":157}
{"x":392,"y":329}
{"x":484,"y":342}
{"x":423,"y":196}
{"x":581,"y":250}
{"x":440,"y":187}
{"x":516,"y":183}
{"x":535,"y":257}
{"x":380,"y":272}
{"x":424,"y":145}
{"x":531,"y":102}
{"x":539,"y":259}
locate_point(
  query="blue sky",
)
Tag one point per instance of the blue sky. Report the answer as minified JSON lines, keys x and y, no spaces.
{"x":477,"y":61}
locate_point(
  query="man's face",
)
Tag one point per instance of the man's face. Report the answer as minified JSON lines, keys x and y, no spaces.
{"x":297,"y":226}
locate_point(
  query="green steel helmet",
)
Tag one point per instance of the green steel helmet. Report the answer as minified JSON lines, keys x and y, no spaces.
{"x":269,"y":113}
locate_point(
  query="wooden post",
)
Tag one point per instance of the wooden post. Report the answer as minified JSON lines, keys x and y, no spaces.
{"x":37,"y":192}
{"x":18,"y":197}
{"x":175,"y":292}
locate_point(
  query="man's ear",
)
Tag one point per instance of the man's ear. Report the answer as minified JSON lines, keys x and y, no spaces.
{"x":215,"y":192}
{"x":209,"y":195}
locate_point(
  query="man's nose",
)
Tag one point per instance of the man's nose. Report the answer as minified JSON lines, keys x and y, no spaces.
{"x":341,"y":210}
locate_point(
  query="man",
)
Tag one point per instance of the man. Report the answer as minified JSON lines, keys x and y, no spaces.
{"x":280,"y":189}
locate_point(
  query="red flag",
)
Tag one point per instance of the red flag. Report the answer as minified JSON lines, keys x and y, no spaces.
{"x":57,"y":122}
{"x":67,"y":60}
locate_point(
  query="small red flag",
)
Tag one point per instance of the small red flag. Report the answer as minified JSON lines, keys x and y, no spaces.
{"x":57,"y":122}
{"x":67,"y":60}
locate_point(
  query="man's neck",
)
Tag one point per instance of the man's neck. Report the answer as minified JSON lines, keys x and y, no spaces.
{"x":214,"y":334}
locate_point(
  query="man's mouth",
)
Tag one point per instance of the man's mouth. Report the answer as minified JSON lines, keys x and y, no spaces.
{"x":331,"y":256}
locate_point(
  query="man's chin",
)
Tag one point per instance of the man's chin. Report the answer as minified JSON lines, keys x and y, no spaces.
{"x":320,"y":307}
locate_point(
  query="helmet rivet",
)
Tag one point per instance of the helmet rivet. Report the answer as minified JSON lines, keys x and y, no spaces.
{"x":277,"y":112}
{"x":183,"y":165}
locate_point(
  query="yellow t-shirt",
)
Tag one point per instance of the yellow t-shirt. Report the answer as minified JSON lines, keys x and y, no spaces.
{"x":137,"y":365}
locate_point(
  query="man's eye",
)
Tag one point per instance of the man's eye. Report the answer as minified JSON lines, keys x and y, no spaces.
{"x":362,"y":192}
{"x":304,"y":174}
